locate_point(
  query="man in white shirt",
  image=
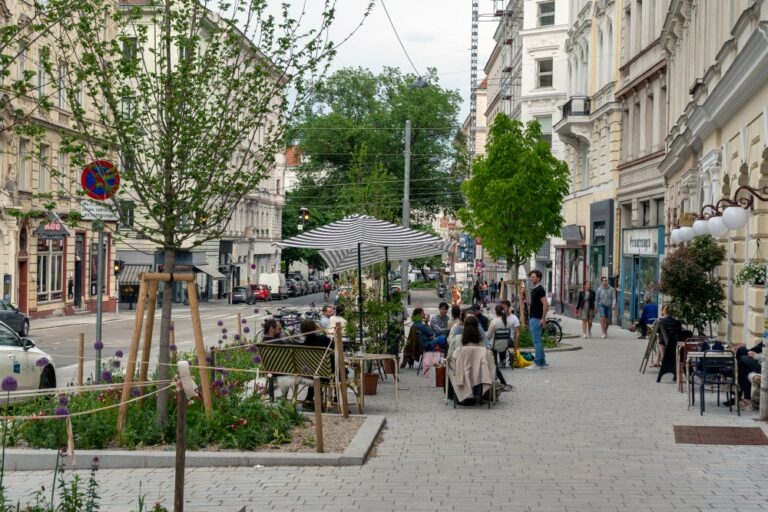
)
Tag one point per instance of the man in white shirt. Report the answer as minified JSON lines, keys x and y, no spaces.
{"x":512,"y":321}
{"x":329,"y":320}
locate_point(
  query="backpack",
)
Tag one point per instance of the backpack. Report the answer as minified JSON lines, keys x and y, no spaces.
{"x":326,"y":286}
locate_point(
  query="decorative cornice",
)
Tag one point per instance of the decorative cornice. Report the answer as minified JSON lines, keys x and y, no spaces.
{"x":4,"y":11}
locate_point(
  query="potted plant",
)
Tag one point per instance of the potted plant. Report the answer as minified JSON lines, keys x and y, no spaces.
{"x":752,"y":273}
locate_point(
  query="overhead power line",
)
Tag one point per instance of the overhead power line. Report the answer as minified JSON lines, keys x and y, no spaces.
{"x":399,"y":40}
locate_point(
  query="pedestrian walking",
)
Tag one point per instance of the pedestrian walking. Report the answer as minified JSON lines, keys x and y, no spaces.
{"x":606,"y":302}
{"x":537,"y":314}
{"x":585,"y":309}
{"x":477,"y":297}
{"x":493,"y":288}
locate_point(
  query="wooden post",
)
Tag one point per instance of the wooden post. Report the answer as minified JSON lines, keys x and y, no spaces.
{"x":181,"y":447}
{"x":318,"y":415}
{"x":205,"y":382}
{"x":174,"y":357}
{"x":132,"y":353}
{"x":148,"y":328}
{"x":240,"y":326}
{"x":80,"y":357}
{"x":341,"y":370}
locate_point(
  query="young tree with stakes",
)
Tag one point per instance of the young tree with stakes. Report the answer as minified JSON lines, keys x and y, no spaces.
{"x":195,"y":96}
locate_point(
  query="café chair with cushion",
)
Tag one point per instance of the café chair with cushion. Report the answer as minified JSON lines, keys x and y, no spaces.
{"x":717,"y":368}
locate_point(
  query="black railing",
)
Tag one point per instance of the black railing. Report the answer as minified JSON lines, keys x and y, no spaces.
{"x":577,"y":106}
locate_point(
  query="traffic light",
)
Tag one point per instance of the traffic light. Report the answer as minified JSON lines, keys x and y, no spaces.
{"x":118,"y":266}
{"x":303,"y":218}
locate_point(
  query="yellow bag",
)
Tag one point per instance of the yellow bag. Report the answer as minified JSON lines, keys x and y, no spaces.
{"x":518,"y":361}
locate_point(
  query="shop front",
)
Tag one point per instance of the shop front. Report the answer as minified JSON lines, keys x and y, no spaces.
{"x":570,"y":269}
{"x":601,"y":242}
{"x":641,"y":253}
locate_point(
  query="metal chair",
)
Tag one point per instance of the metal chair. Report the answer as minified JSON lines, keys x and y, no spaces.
{"x":718,"y":368}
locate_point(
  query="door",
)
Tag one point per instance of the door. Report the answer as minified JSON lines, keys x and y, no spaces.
{"x":79,"y":248}
{"x":23,"y":285}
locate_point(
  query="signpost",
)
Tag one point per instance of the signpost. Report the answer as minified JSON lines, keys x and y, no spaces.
{"x":100,"y":180}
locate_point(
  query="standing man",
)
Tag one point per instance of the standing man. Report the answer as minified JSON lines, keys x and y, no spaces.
{"x":537,"y":315}
{"x":492,"y":288}
{"x":606,"y":302}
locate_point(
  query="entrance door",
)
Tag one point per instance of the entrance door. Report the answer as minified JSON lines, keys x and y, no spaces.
{"x":23,"y":286}
{"x":79,"y":250}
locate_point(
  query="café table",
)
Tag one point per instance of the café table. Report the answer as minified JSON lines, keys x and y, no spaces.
{"x":692,"y":357}
{"x":359,"y":361}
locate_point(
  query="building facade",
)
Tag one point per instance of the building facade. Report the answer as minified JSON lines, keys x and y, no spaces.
{"x":717,"y":81}
{"x":590,"y":128}
{"x":47,"y":255}
{"x":642,"y":92}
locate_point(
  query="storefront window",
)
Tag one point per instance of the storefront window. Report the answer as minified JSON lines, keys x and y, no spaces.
{"x":50,"y":269}
{"x":93,"y":265}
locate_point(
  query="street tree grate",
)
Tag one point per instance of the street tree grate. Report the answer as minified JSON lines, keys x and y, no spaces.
{"x":720,"y":435}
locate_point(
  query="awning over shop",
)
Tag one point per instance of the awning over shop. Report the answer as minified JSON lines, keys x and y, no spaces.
{"x":211,"y":271}
{"x":130,"y":274}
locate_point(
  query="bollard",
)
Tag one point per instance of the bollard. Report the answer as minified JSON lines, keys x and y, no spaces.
{"x":80,"y":357}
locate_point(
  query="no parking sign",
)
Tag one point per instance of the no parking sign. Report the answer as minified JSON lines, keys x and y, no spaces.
{"x":100,"y":179}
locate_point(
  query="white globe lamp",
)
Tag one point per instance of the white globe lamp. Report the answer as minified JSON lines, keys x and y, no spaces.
{"x":717,"y":227}
{"x":735,"y":217}
{"x":673,"y":236}
{"x":700,"y":227}
{"x":686,"y":234}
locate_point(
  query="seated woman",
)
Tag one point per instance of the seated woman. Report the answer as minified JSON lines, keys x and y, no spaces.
{"x":647,"y":317}
{"x":426,"y":335}
{"x":749,"y":361}
{"x":456,"y":339}
{"x":471,"y":367}
{"x":314,"y":337}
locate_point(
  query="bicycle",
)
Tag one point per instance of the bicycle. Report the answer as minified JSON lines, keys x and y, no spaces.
{"x":553,"y":329}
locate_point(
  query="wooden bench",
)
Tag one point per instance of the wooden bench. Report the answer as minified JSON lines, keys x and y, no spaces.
{"x":297,"y":361}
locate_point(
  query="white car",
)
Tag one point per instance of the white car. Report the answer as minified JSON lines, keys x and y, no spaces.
{"x":21,"y":359}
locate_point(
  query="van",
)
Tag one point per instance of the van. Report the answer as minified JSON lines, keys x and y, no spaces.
{"x":276,"y":281}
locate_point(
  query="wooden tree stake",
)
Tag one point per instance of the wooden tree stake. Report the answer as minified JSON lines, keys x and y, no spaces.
{"x":80,"y":357}
{"x":205,"y":382}
{"x":148,"y":328}
{"x":341,"y":370}
{"x":318,"y":415}
{"x":181,"y":448}
{"x":133,"y":351}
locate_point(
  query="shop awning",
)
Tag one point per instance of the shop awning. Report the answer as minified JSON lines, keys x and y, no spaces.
{"x":130,"y":274}
{"x":211,"y":271}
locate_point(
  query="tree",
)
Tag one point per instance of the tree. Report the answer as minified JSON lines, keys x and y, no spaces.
{"x":195,"y":96}
{"x":516,"y":192}
{"x":697,"y":295}
{"x":353,"y":133}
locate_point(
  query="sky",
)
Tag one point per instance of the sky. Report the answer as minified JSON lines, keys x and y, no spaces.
{"x":435,"y":33}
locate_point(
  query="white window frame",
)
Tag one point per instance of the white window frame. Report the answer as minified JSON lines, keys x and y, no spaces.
{"x":541,"y":15}
{"x":42,"y":168}
{"x":21,"y":175}
{"x":40,"y":76}
{"x":22,"y":59}
{"x":62,"y":93}
{"x":63,"y":174}
{"x":550,"y":74}
{"x":50,"y":271}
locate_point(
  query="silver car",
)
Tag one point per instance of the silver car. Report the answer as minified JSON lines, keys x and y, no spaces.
{"x":13,"y":318}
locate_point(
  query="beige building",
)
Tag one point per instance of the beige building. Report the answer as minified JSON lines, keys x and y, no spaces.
{"x":47,"y":262}
{"x":481,"y":127}
{"x":590,"y":128}
{"x":717,"y":76}
{"x":642,"y":91}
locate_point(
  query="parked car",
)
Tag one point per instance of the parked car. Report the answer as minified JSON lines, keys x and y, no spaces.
{"x":13,"y":318}
{"x":301,"y":285}
{"x":277,"y":283}
{"x":243,"y":295}
{"x":314,"y":286}
{"x":294,"y":289}
{"x":261,"y":292}
{"x":31,"y":367}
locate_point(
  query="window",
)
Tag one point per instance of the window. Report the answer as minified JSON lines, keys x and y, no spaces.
{"x":62,"y":171}
{"x":22,"y":59}
{"x":659,"y":205}
{"x":40,"y":75}
{"x":546,"y":14}
{"x":50,"y":262}
{"x":130,"y":49}
{"x":43,"y":169}
{"x":544,"y":72}
{"x":277,"y":189}
{"x":22,"y":174}
{"x":127,"y":209}
{"x":645,"y":209}
{"x":62,"y":94}
{"x":546,"y":128}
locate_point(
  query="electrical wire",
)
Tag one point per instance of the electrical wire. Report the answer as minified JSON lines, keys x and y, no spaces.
{"x":386,"y":11}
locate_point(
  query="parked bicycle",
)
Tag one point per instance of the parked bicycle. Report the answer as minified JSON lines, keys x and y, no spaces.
{"x":553,"y":329}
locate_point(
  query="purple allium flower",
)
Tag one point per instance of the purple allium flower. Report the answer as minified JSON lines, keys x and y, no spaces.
{"x":224,"y":330}
{"x":208,"y":359}
{"x":256,"y":359}
{"x":95,"y":463}
{"x":224,"y":391}
{"x":220,"y":323}
{"x":43,"y":361}
{"x":244,"y":321}
{"x":98,"y":345}
{"x":9,"y":384}
{"x":255,"y":311}
{"x":63,"y":400}
{"x":223,"y":336}
{"x":135,"y":392}
{"x":305,"y":369}
{"x":171,"y":328}
{"x":219,"y":370}
{"x":218,"y":383}
{"x":253,"y":266}
{"x":106,"y":376}
{"x":252,"y":348}
{"x":236,"y":337}
{"x":61,"y":411}
{"x":246,"y":329}
{"x":115,"y":364}
{"x":172,"y":347}
{"x":119,"y":354}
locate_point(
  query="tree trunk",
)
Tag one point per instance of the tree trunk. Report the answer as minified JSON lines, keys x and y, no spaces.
{"x":164,"y":354}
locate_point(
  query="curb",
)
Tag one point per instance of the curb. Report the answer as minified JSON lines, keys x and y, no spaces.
{"x":18,"y":459}
{"x":564,"y":347}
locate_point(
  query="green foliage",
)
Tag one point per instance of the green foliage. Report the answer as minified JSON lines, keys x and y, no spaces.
{"x":752,"y":273}
{"x":526,"y":340}
{"x":696,"y":295}
{"x":516,"y":191}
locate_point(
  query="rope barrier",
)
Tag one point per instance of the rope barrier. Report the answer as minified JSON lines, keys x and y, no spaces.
{"x":70,"y":390}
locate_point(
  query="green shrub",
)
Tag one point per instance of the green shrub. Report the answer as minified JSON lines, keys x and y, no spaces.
{"x":526,"y":340}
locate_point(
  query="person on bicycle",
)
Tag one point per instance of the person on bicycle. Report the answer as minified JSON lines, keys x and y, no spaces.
{"x":326,"y":290}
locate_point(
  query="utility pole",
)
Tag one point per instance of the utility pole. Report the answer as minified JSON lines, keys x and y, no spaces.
{"x":99,"y":297}
{"x":406,"y":209}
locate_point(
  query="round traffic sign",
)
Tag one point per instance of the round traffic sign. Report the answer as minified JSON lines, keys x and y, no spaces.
{"x":100,"y":179}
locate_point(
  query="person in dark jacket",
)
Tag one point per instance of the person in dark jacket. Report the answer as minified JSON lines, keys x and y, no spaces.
{"x":647,"y":317}
{"x":314,"y":336}
{"x":585,"y":309}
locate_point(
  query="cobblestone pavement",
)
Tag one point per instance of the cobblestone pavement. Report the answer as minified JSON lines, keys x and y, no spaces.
{"x":588,"y":434}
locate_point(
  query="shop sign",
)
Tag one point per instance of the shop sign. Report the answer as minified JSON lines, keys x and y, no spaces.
{"x":642,"y":242}
{"x":52,"y":229}
{"x":572,"y":233}
{"x":598,"y":233}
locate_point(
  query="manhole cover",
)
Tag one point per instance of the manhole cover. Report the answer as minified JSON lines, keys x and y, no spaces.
{"x":720,"y":435}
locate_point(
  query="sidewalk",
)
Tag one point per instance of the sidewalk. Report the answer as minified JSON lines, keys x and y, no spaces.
{"x":589,"y":434}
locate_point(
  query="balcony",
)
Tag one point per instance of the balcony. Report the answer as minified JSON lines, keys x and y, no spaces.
{"x":576,"y":106}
